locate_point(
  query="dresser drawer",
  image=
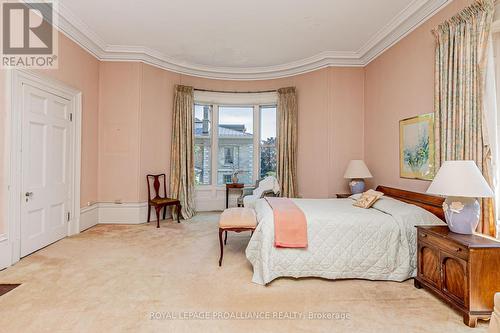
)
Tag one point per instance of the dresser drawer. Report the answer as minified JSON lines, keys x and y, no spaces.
{"x":446,"y":245}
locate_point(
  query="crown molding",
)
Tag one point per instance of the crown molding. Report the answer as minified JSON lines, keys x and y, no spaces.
{"x":417,"y":12}
{"x":79,"y":32}
{"x":410,"y":18}
{"x":152,"y":57}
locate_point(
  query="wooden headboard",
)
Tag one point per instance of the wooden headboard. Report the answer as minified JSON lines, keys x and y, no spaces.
{"x":428,"y":202}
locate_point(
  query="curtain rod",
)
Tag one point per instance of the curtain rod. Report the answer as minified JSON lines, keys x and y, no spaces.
{"x":237,"y":92}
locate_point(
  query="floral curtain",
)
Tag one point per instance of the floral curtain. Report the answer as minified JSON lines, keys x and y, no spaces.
{"x":182,"y":154}
{"x":287,"y":141}
{"x":460,"y":63}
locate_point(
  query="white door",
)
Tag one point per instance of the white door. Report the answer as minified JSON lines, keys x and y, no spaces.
{"x":46,"y":164}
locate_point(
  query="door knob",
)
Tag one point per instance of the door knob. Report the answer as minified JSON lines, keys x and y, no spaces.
{"x":28,"y":195}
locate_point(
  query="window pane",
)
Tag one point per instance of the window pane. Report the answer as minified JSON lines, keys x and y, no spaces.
{"x":267,"y":141}
{"x":235,"y":144}
{"x":202,"y":144}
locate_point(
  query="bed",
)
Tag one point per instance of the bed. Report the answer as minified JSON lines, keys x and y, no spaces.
{"x":347,"y":242}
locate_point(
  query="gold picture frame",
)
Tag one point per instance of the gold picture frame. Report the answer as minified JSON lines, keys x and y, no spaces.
{"x":416,"y":147}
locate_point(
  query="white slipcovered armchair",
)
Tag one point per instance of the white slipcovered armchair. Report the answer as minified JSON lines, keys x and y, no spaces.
{"x":267,"y":187}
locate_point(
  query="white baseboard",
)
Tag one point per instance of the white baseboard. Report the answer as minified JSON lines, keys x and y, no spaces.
{"x":111,"y":213}
{"x":137,"y":212}
{"x":89,"y":216}
{"x":125,"y":213}
{"x":210,"y":199}
{"x":5,"y":251}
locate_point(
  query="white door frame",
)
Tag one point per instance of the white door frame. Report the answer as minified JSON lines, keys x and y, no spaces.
{"x":15,"y":80}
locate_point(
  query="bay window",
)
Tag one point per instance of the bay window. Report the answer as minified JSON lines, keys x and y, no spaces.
{"x":268,"y":141}
{"x":202,"y":144}
{"x":235,"y":140}
{"x":234,"y":133}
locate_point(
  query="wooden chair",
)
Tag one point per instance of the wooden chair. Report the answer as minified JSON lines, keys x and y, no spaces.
{"x":159,"y":202}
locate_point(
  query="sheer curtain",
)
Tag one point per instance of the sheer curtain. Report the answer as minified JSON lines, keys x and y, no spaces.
{"x":461,"y":131}
{"x":287,"y":141}
{"x":182,"y":151}
{"x":491,"y":114}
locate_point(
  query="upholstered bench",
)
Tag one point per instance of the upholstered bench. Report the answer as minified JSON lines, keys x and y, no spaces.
{"x":238,"y":220}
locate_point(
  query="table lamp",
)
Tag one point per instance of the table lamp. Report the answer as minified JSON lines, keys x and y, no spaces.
{"x":462,"y":183}
{"x":357,"y":171}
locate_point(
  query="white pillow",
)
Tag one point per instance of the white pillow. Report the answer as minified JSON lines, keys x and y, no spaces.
{"x":366,"y":200}
{"x":355,"y":196}
{"x":370,"y":191}
{"x":375,"y":193}
{"x":405,"y":211}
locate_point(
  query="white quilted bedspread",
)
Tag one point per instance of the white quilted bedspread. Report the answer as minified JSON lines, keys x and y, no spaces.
{"x":344,"y":241}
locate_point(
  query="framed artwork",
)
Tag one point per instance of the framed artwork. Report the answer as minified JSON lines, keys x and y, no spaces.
{"x":416,"y":147}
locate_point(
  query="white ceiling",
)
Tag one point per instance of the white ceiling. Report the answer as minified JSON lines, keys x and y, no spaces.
{"x":242,"y":39}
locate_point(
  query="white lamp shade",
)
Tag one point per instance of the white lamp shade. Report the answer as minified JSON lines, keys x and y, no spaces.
{"x":460,"y":179}
{"x":357,"y":169}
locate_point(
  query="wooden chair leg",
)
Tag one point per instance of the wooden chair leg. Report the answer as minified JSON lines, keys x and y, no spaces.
{"x":179,"y":207}
{"x":165,"y":212}
{"x":158,"y":210}
{"x":149,"y":212}
{"x":221,"y":246}
{"x":225,"y":238}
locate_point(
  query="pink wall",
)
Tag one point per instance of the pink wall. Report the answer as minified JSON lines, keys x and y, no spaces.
{"x":119,"y":131}
{"x":330,"y":104}
{"x":80,"y":70}
{"x":137,"y":99}
{"x":400,"y":84}
{"x":320,"y":103}
{"x":134,"y":128}
{"x":157,"y":88}
{"x":347,"y":136}
{"x":344,"y":113}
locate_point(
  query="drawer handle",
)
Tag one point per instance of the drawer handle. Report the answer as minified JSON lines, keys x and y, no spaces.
{"x":458,"y":250}
{"x":424,"y":235}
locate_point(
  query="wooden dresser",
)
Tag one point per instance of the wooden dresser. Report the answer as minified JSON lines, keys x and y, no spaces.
{"x":462,"y":270}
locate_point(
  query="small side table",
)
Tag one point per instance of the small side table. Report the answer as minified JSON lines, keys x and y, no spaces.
{"x":461,"y":270}
{"x":232,"y":186}
{"x":343,"y":195}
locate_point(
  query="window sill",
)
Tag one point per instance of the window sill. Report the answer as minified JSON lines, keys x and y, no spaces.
{"x":217,"y":187}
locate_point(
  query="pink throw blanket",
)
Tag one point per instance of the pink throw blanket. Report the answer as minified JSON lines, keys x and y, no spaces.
{"x":290,"y":225}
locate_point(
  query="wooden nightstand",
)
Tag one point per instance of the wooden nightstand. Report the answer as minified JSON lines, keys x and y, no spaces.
{"x":231,"y":186}
{"x":462,"y":270}
{"x":343,"y":195}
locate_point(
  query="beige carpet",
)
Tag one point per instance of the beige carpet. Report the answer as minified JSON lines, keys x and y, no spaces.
{"x":112,"y":277}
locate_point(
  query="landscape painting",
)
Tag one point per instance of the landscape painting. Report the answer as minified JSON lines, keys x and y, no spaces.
{"x":416,"y":147}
